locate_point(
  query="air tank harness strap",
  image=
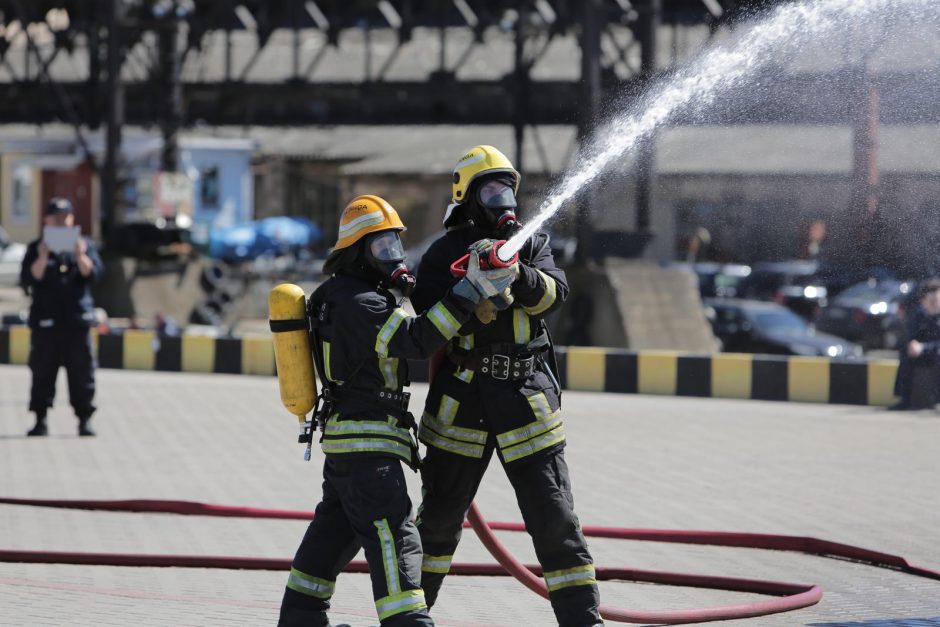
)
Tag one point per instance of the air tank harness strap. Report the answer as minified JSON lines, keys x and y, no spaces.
{"x":284,"y":326}
{"x":326,"y":399}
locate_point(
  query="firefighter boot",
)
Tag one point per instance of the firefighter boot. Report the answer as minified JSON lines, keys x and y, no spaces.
{"x":41,"y":428}
{"x":84,"y":426}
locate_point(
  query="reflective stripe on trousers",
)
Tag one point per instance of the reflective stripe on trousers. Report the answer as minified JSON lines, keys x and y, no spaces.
{"x":310,"y":585}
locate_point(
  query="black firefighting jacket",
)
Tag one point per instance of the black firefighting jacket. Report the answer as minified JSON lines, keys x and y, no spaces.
{"x":465,"y":406}
{"x":62,"y":297}
{"x":365,"y":339}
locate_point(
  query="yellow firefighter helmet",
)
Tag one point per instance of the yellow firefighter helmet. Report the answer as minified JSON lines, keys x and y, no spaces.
{"x":478,"y":161}
{"x":363,"y":215}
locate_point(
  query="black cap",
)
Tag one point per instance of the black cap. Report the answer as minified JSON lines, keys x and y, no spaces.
{"x":59,"y":205}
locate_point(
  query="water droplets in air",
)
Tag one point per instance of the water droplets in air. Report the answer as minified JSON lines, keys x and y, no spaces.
{"x":720,"y":69}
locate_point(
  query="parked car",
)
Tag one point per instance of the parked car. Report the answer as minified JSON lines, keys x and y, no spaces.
{"x":721,"y":280}
{"x":870,"y":313}
{"x":749,"y":326}
{"x":795,"y":284}
{"x":11,"y":259}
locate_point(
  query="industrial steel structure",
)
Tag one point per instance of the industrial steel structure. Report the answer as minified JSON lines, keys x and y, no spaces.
{"x":93,"y":63}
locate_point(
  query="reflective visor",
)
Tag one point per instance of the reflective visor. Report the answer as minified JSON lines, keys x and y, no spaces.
{"x":386,"y":246}
{"x":497,"y":194}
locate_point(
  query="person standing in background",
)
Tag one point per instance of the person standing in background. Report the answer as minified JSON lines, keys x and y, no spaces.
{"x":60,"y":319}
{"x":921,"y":346}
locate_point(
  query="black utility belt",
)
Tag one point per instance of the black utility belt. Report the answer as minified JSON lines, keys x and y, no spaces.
{"x":507,"y":367}
{"x":497,"y":366}
{"x":396,"y":402}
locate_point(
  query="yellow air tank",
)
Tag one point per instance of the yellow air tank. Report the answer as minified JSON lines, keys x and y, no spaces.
{"x":296,"y":375}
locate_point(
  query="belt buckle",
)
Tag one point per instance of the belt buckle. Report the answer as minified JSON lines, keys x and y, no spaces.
{"x":500,"y":367}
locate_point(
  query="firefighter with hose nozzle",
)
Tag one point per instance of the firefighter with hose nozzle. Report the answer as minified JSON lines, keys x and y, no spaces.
{"x":361,"y":339}
{"x":497,"y":389}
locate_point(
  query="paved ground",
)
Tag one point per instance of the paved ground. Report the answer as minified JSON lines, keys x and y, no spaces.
{"x":856,"y":475}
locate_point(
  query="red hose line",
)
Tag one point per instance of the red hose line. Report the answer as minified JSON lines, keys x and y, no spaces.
{"x":158,"y":506}
{"x":794,"y":596}
{"x":800,"y":596}
{"x":459,"y":568}
{"x":798,"y":544}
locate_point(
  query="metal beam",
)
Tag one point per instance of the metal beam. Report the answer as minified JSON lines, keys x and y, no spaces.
{"x":111,"y":215}
{"x":591,"y":28}
{"x":647,"y":26}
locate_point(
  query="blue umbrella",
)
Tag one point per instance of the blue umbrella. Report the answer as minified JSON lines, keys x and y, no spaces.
{"x":290,"y":231}
{"x":274,"y":235}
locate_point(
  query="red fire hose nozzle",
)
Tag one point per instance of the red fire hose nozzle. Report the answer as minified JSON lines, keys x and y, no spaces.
{"x":491,"y":261}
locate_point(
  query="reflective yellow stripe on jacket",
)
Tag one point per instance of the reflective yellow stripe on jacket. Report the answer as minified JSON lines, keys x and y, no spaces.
{"x":466,"y":343}
{"x":439,"y":431}
{"x":344,"y":437}
{"x":443,"y":320}
{"x":547,"y":430}
{"x":388,"y":330}
{"x":521,"y":329}
{"x":548,"y":298}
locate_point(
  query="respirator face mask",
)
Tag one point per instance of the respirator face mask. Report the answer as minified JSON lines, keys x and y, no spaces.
{"x":387,"y":257}
{"x":497,"y":200}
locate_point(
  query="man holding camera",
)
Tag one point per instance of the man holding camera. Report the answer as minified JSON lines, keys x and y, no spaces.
{"x":59,"y":278}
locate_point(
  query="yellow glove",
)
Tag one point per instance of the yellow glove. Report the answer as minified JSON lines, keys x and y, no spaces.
{"x":485,"y":311}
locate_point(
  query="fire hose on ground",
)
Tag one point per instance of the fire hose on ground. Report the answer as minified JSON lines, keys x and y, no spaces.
{"x":789,"y":596}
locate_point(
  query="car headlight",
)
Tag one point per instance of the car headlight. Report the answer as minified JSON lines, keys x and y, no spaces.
{"x":833,"y":351}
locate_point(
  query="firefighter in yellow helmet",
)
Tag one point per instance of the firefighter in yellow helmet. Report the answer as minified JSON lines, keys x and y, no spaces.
{"x":485,"y":185}
{"x":497,"y":390}
{"x":362,"y":339}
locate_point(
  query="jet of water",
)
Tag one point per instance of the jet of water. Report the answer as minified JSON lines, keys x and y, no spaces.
{"x":716,"y":72}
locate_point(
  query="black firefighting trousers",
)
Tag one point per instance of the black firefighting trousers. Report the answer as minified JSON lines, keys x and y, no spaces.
{"x":365,"y":504}
{"x":53,"y":348}
{"x":543,"y":492}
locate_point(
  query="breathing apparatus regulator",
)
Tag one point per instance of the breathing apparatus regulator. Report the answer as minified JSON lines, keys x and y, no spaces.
{"x":494,"y":206}
{"x":385,"y":256}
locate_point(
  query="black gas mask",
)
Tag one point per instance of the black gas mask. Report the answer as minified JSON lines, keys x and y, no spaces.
{"x":385,"y":257}
{"x":495,"y":201}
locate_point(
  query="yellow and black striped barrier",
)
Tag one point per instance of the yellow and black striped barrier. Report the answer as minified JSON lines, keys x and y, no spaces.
{"x":729,"y":375}
{"x":145,"y":350}
{"x":721,"y":375}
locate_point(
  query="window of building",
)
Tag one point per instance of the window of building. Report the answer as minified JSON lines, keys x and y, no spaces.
{"x":209,"y":187}
{"x":22,"y":194}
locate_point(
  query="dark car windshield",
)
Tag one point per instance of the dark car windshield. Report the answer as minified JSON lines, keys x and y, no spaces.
{"x":778,"y":321}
